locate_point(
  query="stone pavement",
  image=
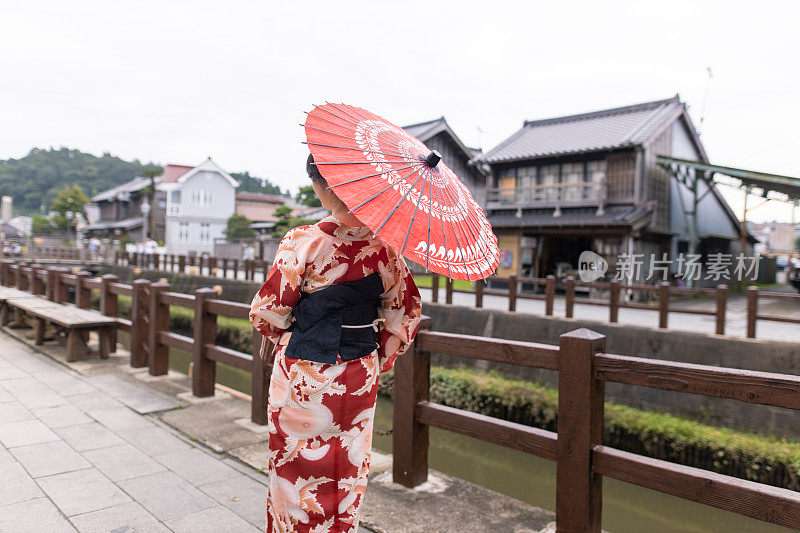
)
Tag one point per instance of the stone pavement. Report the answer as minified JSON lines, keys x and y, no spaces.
{"x":76,"y":456}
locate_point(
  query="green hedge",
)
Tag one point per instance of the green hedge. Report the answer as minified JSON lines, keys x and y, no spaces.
{"x":765,"y":459}
{"x":761,"y":458}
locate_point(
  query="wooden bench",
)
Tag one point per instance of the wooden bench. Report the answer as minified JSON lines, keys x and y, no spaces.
{"x":7,"y":293}
{"x":76,"y":323}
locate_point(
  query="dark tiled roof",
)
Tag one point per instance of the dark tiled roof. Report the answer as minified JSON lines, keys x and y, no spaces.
{"x":600,"y":130}
{"x":426,"y":130}
{"x":619,"y":215}
{"x":136,"y":184}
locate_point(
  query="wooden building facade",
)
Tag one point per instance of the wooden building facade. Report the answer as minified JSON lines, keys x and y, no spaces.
{"x":564,"y":185}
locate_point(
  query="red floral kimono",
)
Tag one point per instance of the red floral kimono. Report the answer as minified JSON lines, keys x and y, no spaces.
{"x":321,"y":415}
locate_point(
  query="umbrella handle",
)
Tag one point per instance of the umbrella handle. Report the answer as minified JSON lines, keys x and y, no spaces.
{"x":433,"y":158}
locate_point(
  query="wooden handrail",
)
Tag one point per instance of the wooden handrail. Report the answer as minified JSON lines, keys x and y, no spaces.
{"x":748,"y":498}
{"x":577,"y":448}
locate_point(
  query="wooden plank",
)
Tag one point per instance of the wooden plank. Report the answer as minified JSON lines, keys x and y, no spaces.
{"x":176,"y":298}
{"x":94,"y":284}
{"x":765,"y":388}
{"x":756,"y":500}
{"x":220,"y":354}
{"x":119,"y":288}
{"x":174,"y":340}
{"x":779,"y":318}
{"x":124,"y":324}
{"x":230,"y":309}
{"x":502,"y":351}
{"x":486,"y":428}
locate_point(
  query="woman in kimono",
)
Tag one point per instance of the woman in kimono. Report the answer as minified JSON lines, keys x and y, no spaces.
{"x":340,"y":306}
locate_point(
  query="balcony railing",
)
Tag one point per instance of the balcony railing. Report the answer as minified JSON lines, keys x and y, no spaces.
{"x":577,"y":193}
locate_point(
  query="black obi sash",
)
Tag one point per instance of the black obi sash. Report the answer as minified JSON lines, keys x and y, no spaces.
{"x":318,"y":333}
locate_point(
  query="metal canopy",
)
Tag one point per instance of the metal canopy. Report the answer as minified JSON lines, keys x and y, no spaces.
{"x":760,"y":180}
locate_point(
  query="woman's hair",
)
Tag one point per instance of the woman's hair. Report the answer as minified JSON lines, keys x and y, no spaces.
{"x":313,"y":171}
{"x":335,"y":203}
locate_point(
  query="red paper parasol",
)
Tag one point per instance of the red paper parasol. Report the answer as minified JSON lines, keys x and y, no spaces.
{"x":402,"y":190}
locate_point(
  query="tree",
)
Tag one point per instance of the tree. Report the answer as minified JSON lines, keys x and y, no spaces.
{"x":286,"y":221}
{"x":151,"y":173}
{"x":41,"y":225}
{"x":70,"y":198}
{"x":307,"y":196}
{"x":239,"y":226}
{"x":35,"y":179}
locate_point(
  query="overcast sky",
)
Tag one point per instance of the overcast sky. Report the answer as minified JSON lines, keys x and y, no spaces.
{"x":174,"y":81}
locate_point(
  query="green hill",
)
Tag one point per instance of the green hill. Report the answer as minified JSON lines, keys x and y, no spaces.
{"x":35,"y":179}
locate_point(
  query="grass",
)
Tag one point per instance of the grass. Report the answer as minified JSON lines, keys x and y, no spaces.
{"x":424,"y":281}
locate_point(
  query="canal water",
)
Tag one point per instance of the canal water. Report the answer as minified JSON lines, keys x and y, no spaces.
{"x":626,"y":508}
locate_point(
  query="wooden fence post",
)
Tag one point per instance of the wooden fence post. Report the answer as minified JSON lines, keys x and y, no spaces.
{"x":512,"y":293}
{"x":139,"y":322}
{"x":182,"y":264}
{"x":722,"y":304}
{"x":259,"y":376}
{"x":225,"y":267}
{"x":409,"y":437}
{"x":752,"y":311}
{"x":204,"y":370}
{"x":62,"y":289}
{"x":549,"y":294}
{"x":448,"y":290}
{"x":265,"y":266}
{"x":434,"y":287}
{"x":235,"y":269}
{"x":579,"y":494}
{"x":83,"y":294}
{"x":50,"y":284}
{"x":22,"y":278}
{"x":158,"y":353}
{"x":569,"y":297}
{"x":36,"y":282}
{"x":663,"y":304}
{"x":479,"y":293}
{"x":108,"y":302}
{"x":613,"y":301}
{"x":212,"y":266}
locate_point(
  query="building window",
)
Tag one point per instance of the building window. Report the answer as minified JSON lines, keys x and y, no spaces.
{"x":549,"y":181}
{"x":161,"y":203}
{"x":205,"y":232}
{"x":183,"y":231}
{"x":176,"y":197}
{"x":526,"y":183}
{"x":201,"y":197}
{"x":572,"y":178}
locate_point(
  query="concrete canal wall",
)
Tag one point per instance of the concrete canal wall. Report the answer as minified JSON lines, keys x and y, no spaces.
{"x":688,"y":347}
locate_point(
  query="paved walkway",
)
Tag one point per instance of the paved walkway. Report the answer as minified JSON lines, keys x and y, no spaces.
{"x":75,"y":456}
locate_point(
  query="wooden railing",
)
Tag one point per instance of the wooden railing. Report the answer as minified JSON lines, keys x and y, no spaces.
{"x":613,"y":289}
{"x":149,"y":326}
{"x":580,"y":456}
{"x":200,"y":265}
{"x":580,"y":360}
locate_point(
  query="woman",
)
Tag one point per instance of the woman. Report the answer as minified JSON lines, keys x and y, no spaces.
{"x":340,"y":307}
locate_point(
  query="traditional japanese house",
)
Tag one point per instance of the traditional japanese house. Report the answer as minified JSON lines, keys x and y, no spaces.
{"x":563,"y":185}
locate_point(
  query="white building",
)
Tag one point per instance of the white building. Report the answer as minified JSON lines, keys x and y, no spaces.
{"x":199,"y":202}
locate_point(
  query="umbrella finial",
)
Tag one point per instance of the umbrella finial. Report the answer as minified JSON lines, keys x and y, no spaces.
{"x":433,"y":158}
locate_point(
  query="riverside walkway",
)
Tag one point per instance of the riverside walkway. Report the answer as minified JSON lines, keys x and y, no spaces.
{"x":78,"y":454}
